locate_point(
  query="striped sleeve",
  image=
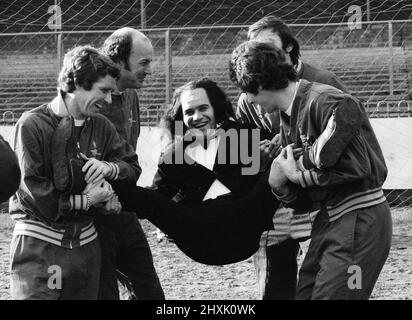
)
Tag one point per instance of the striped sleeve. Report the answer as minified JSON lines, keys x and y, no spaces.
{"x":339,"y":121}
{"x":78,"y":202}
{"x":294,"y":198}
{"x":114,"y":171}
{"x":339,"y":154}
{"x":308,"y":178}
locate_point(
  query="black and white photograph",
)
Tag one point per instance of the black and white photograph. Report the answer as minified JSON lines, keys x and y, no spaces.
{"x":206,"y":150}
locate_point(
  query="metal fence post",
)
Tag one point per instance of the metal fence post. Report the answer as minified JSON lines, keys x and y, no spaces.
{"x":59,"y":51}
{"x":143,"y":14}
{"x":57,"y":3}
{"x":168,"y":66}
{"x":390,"y":43}
{"x":368,"y":11}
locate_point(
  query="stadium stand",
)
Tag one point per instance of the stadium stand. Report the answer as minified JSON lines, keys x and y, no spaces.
{"x":361,"y":58}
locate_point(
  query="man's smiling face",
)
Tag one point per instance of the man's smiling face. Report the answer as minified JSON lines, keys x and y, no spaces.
{"x":198,"y":112}
{"x":88,"y":102}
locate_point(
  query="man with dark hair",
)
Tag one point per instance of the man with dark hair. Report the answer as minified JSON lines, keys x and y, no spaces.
{"x":211,"y":197}
{"x":66,"y":152}
{"x":275,"y":262}
{"x":218,"y":100}
{"x":202,"y":110}
{"x":132,"y":52}
{"x":340,"y":173}
{"x":273,"y":30}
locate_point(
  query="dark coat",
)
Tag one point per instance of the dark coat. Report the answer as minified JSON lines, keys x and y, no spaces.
{"x":189,"y":182}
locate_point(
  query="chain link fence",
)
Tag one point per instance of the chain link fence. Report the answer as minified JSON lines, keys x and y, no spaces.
{"x":374,"y":62}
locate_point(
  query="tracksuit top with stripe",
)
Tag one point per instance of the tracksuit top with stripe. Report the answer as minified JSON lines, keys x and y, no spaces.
{"x":342,"y":168}
{"x":39,"y":209}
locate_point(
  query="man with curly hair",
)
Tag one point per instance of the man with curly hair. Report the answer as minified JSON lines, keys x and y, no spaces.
{"x":340,"y":173}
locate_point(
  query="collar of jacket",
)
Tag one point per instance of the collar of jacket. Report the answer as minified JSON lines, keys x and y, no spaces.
{"x":58,"y":109}
{"x":300,"y":98}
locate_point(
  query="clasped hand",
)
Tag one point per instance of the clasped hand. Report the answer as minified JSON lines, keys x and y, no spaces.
{"x":95,"y":169}
{"x":102,"y":196}
{"x":269,"y":149}
{"x":284,"y":168}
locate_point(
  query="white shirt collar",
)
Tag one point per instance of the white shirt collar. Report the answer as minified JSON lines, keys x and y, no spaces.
{"x":299,"y":66}
{"x":58,"y":106}
{"x":289,"y":110}
{"x":79,"y":123}
{"x":207,"y":157}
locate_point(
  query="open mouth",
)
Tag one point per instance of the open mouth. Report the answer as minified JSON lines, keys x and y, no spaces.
{"x":98,"y":106}
{"x":200,"y":125}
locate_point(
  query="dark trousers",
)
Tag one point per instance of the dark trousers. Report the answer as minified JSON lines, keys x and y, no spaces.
{"x":126,"y":256}
{"x":346,"y":256}
{"x":276,"y":268}
{"x":44,"y":271}
{"x":220,"y":231}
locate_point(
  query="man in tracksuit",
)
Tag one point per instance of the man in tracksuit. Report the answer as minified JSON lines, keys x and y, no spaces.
{"x":275,"y":261}
{"x":67,"y":154}
{"x":340,"y":172}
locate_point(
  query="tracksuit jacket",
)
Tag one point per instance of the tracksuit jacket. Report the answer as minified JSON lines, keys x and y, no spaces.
{"x":124,"y":113}
{"x":342,"y":168}
{"x":44,"y":211}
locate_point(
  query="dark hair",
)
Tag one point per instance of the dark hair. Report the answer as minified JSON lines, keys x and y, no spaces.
{"x":220,"y":102}
{"x":275,"y":24}
{"x":254,"y":64}
{"x":83,"y":66}
{"x":117,"y":47}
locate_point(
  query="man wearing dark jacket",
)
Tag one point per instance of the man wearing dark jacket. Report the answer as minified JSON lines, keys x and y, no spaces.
{"x":275,"y":261}
{"x":340,"y":173}
{"x":127,"y":245}
{"x":67,"y":153}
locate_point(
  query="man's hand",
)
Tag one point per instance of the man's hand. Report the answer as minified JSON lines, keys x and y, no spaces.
{"x":269,"y":149}
{"x":287,"y":163}
{"x":96,"y":170}
{"x":112,"y":206}
{"x":98,"y":192}
{"x":277,"y":179}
